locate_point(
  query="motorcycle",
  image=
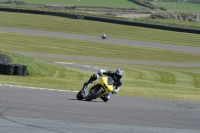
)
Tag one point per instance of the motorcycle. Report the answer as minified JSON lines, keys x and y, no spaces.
{"x":96,"y":89}
{"x":103,"y":37}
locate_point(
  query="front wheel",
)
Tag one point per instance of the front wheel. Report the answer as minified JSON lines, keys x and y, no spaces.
{"x":79,"y":95}
{"x":94,"y":94}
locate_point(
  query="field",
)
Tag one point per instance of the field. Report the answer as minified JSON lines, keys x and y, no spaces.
{"x":109,"y":3}
{"x":179,"y":6}
{"x":139,"y":80}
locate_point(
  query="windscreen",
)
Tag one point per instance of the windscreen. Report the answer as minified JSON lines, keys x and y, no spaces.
{"x":110,"y":81}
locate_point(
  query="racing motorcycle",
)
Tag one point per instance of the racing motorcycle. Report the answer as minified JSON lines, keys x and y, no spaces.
{"x":96,"y":89}
{"x":103,"y":37}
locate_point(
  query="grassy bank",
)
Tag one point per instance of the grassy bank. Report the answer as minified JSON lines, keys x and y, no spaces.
{"x":42,"y":74}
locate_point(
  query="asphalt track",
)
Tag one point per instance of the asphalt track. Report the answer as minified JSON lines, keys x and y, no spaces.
{"x":106,"y":60}
{"x":49,"y":111}
{"x":24,"y":110}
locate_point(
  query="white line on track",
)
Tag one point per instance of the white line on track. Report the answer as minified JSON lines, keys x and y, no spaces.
{"x":7,"y":85}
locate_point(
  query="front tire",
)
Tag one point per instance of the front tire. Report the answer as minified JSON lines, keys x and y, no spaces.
{"x":94,"y":95}
{"x":79,"y":95}
{"x":105,"y":99}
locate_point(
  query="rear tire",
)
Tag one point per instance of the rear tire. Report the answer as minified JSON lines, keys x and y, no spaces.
{"x":94,"y":95}
{"x":79,"y":95}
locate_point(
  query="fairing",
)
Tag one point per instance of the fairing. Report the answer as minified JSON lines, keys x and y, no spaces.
{"x":105,"y":82}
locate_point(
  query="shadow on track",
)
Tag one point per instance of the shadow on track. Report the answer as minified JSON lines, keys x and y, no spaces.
{"x":84,"y":100}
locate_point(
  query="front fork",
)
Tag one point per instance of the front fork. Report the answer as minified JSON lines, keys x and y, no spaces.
{"x":85,"y":91}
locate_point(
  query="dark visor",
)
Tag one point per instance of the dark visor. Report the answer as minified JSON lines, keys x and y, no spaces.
{"x":118,"y":76}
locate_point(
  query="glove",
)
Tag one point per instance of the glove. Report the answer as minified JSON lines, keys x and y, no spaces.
{"x":101,"y":71}
{"x":114,"y":92}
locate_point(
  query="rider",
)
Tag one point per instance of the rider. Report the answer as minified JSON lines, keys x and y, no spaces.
{"x":116,"y":75}
{"x":103,"y":35}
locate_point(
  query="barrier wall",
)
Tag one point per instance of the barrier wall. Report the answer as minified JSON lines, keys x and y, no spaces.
{"x":155,"y":26}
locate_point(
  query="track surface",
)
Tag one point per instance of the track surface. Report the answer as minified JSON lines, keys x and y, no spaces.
{"x":35,"y":111}
{"x":95,"y":59}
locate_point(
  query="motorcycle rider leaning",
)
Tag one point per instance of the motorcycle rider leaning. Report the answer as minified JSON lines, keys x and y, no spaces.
{"x":103,"y":35}
{"x":117,"y":77}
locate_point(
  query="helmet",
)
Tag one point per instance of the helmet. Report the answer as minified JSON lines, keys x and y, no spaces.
{"x":118,"y":73}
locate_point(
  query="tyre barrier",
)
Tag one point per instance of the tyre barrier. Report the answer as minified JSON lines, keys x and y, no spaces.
{"x":2,"y":69}
{"x":13,"y":69}
{"x":9,"y":69}
{"x":18,"y":70}
{"x":25,"y":71}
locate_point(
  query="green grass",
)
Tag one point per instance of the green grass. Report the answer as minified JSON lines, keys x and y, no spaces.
{"x":171,"y":22}
{"x":108,"y":3}
{"x":179,"y":6}
{"x":40,"y":44}
{"x":58,"y":24}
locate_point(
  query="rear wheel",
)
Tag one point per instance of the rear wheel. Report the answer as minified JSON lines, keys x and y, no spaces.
{"x":94,"y":93}
{"x":79,"y":95}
